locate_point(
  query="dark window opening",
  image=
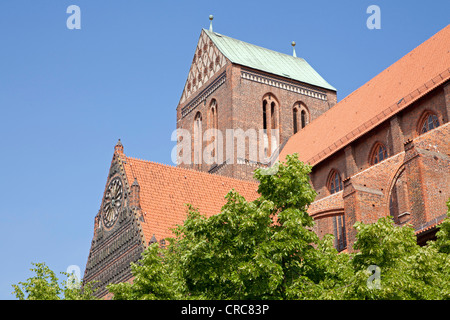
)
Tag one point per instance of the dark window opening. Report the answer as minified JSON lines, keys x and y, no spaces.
{"x":431,"y":121}
{"x":335,"y":182}
{"x":339,"y":232}
{"x":295,"y":121}
{"x":272,"y":115}
{"x":303,"y":118}
{"x":379,"y":154}
{"x":264,"y":115}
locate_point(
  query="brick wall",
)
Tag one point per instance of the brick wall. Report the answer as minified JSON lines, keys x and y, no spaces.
{"x":323,"y":212}
{"x":434,"y":151}
{"x":413,"y":182}
{"x":239,"y":106}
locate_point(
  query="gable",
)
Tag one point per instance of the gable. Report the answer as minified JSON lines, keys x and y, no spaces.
{"x":207,"y":61}
{"x":118,"y":242}
{"x":152,"y":200}
{"x":166,"y":190}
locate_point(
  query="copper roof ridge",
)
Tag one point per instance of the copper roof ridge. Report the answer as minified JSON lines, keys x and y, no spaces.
{"x":252,"y":44}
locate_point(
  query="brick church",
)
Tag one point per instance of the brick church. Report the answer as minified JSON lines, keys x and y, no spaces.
{"x":381,"y":151}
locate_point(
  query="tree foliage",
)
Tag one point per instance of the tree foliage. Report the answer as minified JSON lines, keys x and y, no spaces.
{"x":408,"y":271}
{"x":45,"y":285}
{"x":251,"y":250}
{"x":267,"y":249}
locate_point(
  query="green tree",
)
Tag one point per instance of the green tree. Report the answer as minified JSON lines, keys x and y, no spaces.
{"x":267,"y":249}
{"x":264,"y":249}
{"x":442,"y":243}
{"x":154,"y":278}
{"x":407,"y":270}
{"x":45,"y":285}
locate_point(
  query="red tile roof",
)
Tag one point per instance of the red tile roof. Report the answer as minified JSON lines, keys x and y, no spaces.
{"x":165,"y":190}
{"x":418,"y":72}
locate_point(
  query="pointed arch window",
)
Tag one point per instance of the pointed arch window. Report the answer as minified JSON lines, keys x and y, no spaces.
{"x":273,"y":116}
{"x":339,"y":232}
{"x":303,"y":118}
{"x":214,"y":124}
{"x":399,"y":203}
{"x":295,"y":119}
{"x":265,"y":115}
{"x":335,"y":182}
{"x":428,"y":122}
{"x":213,"y":115}
{"x":198,"y":137}
{"x":300,"y":116}
{"x":270,"y":119}
{"x":378,"y":154}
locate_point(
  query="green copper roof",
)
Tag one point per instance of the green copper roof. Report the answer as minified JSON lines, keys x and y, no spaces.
{"x":249,"y":55}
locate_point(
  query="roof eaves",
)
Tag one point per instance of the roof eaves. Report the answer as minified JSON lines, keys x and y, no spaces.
{"x":382,"y":116}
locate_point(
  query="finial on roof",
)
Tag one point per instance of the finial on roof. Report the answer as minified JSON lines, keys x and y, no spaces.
{"x":293,"y":46}
{"x":152,"y":240}
{"x":211,"y":17}
{"x":119,"y":147}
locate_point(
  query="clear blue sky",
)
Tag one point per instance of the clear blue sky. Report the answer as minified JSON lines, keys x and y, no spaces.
{"x":66,"y":96}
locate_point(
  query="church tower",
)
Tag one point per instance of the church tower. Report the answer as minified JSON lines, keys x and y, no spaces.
{"x":242,"y":102}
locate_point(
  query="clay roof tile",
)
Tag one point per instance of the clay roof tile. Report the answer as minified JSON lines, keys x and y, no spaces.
{"x":418,"y":72}
{"x":165,"y":192}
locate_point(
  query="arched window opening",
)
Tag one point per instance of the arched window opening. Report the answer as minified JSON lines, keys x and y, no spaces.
{"x":399,"y":208}
{"x":273,"y":117}
{"x":335,"y":182}
{"x":265,"y":115}
{"x":301,"y":115}
{"x":295,"y":120}
{"x":270,"y":139}
{"x":214,"y":124}
{"x":303,"y":118}
{"x":339,"y":232}
{"x":213,"y":115}
{"x":429,"y":122}
{"x":378,"y":154}
{"x":198,"y":138}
